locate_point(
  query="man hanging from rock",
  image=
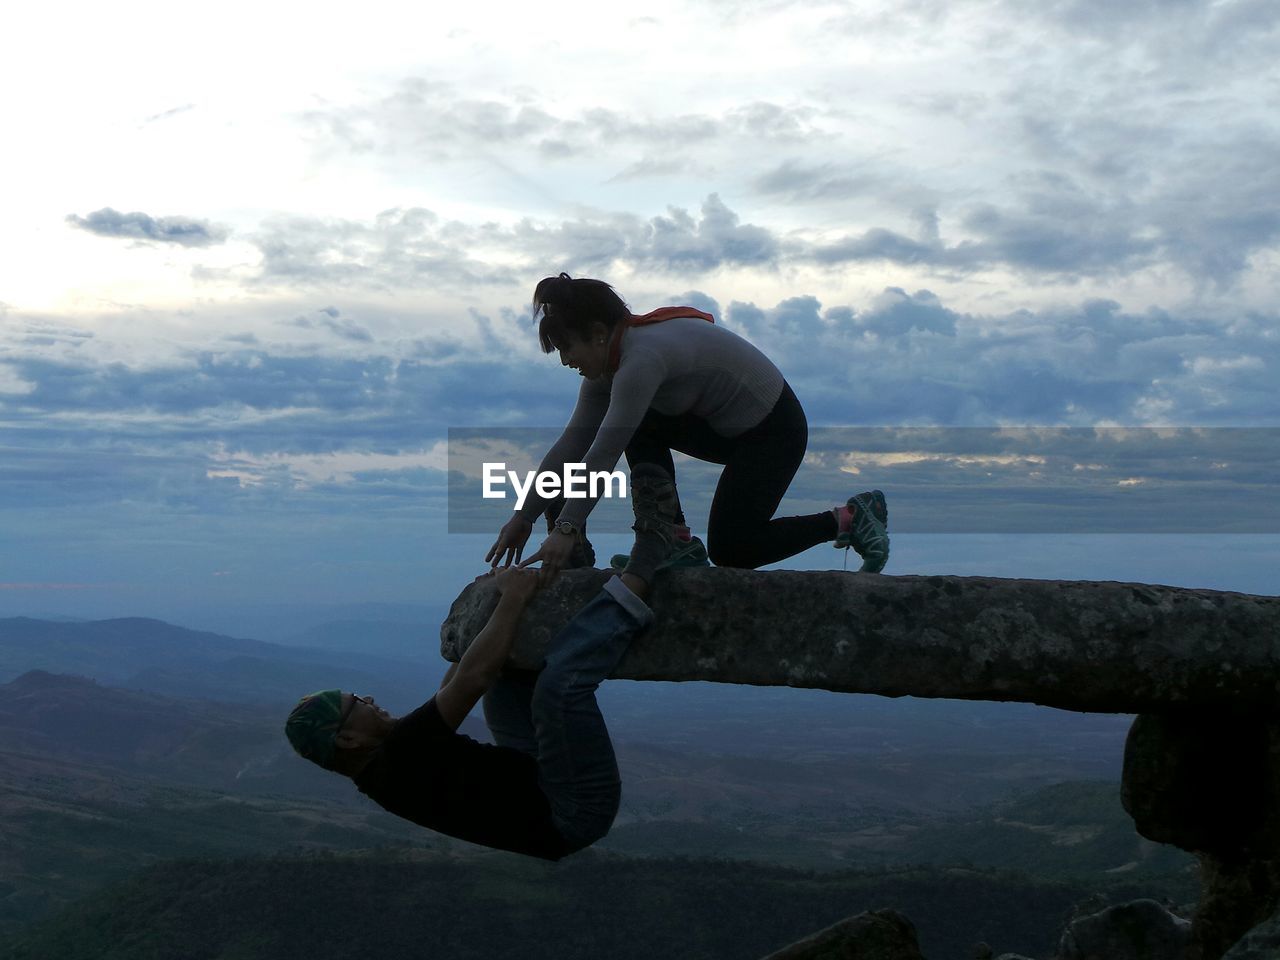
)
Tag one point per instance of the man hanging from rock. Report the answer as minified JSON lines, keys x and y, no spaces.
{"x":549,"y":785}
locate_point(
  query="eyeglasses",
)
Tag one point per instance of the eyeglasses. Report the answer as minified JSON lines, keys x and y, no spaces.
{"x":342,"y":721}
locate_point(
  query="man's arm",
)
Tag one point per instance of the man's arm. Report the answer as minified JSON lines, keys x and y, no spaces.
{"x":475,"y":673}
{"x":448,"y":675}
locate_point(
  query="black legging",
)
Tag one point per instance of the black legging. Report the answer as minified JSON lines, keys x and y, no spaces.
{"x":758,"y":468}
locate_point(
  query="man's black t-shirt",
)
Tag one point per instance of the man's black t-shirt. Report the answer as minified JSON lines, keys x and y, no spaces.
{"x":452,"y":784}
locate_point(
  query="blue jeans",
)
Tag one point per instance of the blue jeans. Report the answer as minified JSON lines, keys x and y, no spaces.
{"x":553,"y":715}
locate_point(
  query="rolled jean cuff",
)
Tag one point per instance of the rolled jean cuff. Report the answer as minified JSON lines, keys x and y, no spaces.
{"x":629,"y":602}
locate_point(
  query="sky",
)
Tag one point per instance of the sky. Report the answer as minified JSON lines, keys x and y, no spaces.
{"x":256,"y":263}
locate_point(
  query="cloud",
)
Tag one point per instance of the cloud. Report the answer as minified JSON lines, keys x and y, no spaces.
{"x":432,"y":119}
{"x":907,"y":358}
{"x":402,"y":248}
{"x":797,"y":181}
{"x":84,"y":427}
{"x":167,"y":114}
{"x":183,"y":231}
{"x":678,"y":241}
{"x":896,"y":312}
{"x":296,"y":449}
{"x":327,"y":318}
{"x":12,"y":383}
{"x":1050,"y":228}
{"x":1172,"y":30}
{"x":681,"y":241}
{"x":411,"y":249}
{"x":652,"y":168}
{"x":880,"y":244}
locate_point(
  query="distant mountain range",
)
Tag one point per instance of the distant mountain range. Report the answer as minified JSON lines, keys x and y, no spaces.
{"x":230,"y":747}
{"x":151,"y":655}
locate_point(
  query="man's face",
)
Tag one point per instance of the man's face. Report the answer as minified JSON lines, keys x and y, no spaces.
{"x":364,"y":716}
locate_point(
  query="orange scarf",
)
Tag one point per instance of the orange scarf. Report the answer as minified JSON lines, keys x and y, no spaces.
{"x":644,"y":319}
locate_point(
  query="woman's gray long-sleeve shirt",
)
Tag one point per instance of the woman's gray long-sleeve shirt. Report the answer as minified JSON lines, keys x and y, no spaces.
{"x":679,"y":366}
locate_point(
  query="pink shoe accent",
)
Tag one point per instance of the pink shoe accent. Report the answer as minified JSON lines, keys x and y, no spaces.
{"x":844,"y":518}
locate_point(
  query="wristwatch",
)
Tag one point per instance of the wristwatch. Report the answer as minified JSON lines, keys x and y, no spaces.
{"x":567,"y":526}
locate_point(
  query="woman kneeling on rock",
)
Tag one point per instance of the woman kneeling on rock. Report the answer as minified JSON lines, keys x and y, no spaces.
{"x":671,"y":380}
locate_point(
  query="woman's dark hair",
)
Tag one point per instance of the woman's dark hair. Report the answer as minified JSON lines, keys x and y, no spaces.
{"x":569,"y":307}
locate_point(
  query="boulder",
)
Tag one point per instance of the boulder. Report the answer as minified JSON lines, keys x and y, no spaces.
{"x":1260,"y":943}
{"x":1208,"y":781}
{"x":1204,"y":780}
{"x":877,"y":935}
{"x":1141,"y":930}
{"x":1237,"y":895}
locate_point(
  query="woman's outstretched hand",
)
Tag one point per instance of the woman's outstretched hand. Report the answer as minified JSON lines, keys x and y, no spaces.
{"x":554,"y":554}
{"x":510,"y":543}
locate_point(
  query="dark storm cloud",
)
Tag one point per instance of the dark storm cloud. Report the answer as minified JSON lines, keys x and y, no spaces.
{"x":183,"y":231}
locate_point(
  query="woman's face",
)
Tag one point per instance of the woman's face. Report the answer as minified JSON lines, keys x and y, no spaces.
{"x":589,"y":357}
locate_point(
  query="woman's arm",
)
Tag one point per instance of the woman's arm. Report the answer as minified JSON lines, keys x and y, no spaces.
{"x":579,"y":432}
{"x":634,"y":386}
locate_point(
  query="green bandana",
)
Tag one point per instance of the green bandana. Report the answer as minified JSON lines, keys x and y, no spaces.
{"x":313,"y":726}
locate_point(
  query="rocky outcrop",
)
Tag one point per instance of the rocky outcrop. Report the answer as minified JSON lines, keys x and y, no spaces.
{"x":1260,"y":943}
{"x":1141,"y":930}
{"x":1104,"y":647}
{"x":1202,"y":667}
{"x":878,"y":935}
{"x":1208,"y":781}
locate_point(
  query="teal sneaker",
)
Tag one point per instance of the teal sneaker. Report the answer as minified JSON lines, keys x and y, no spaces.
{"x":863,"y":524}
{"x":659,"y":536}
{"x":684,"y":553}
